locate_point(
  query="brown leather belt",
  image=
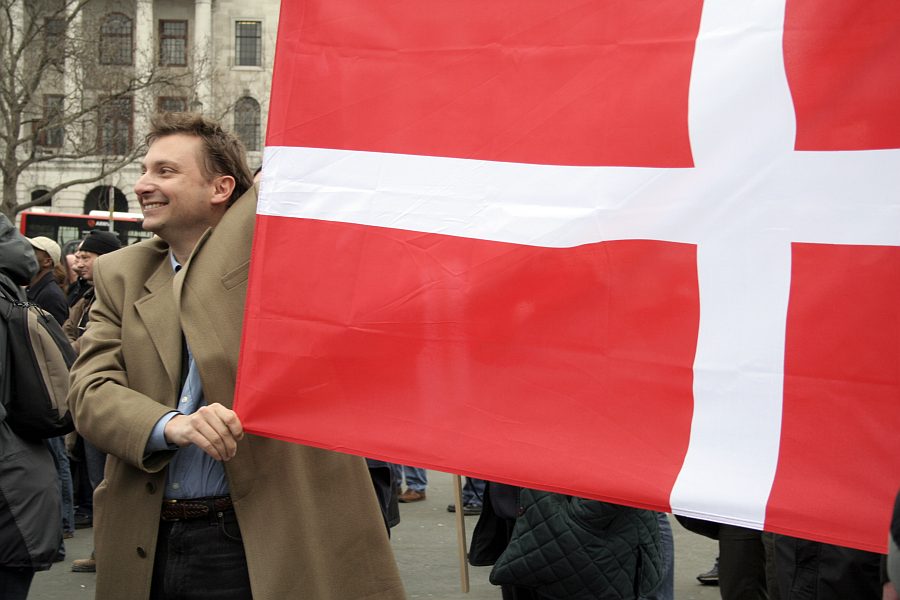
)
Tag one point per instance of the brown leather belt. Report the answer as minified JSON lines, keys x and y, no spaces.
{"x":194,"y":508}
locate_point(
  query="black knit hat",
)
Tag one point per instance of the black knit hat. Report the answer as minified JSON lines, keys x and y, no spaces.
{"x":100,"y":242}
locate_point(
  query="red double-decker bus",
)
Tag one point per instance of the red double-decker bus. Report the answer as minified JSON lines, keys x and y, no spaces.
{"x":69,"y":228}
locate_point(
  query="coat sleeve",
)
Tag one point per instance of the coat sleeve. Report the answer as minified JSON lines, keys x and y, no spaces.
{"x":113,"y":417}
{"x":56,"y":305}
{"x":17,"y":256}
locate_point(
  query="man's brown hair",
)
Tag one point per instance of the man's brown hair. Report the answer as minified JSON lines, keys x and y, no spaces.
{"x":223,"y":152}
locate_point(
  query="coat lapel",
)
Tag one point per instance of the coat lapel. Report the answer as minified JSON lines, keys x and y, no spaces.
{"x":179,"y":278}
{"x":159,"y":313}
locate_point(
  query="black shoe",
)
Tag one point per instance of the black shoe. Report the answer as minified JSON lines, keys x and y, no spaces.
{"x":83,"y":521}
{"x":468,"y":509}
{"x":711,"y":577}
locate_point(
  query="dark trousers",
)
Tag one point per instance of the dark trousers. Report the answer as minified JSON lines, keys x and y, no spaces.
{"x":202,"y":559}
{"x":815,"y":571}
{"x":742,"y":564}
{"x":14,"y":583}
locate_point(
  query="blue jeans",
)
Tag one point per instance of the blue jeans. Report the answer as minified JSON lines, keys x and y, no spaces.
{"x":473,"y":491}
{"x":57,"y":447}
{"x":95,"y":460}
{"x":201,"y":559}
{"x":666,"y":588}
{"x":416,"y":478}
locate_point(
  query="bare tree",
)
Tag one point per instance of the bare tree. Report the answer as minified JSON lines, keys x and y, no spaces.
{"x":70,"y":81}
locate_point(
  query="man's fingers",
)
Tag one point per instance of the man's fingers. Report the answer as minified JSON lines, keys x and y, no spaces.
{"x":215,"y":423}
{"x":212,"y":437}
{"x":214,"y":429}
{"x":230,"y":419}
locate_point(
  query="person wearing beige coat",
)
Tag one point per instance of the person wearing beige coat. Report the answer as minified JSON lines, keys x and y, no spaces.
{"x":309,"y":518}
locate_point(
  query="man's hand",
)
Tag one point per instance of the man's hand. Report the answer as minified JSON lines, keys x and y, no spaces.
{"x":214,"y":429}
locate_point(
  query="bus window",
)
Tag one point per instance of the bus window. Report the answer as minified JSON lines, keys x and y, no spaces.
{"x":68,"y":227}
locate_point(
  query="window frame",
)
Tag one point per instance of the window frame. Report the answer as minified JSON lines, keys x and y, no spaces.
{"x":239,"y":45}
{"x":55,"y":41}
{"x":161,"y":100}
{"x":107,"y":116}
{"x":103,"y":58}
{"x":163,"y":37}
{"x":240,"y":130}
{"x":46,"y":135}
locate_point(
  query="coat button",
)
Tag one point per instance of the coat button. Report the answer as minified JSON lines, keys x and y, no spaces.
{"x":520,"y":511}
{"x":141,"y":552}
{"x":151,"y":487}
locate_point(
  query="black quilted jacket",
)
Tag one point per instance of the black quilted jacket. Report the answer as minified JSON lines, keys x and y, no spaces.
{"x":571,"y":548}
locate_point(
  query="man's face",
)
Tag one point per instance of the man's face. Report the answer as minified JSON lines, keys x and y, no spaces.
{"x":74,"y":267}
{"x":84,"y":264}
{"x":43,"y":259}
{"x":176,"y":196}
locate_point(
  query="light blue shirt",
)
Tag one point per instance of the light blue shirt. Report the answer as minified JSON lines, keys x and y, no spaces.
{"x":192,"y":472}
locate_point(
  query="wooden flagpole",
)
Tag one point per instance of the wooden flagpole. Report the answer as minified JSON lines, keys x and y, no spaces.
{"x":461,"y":535}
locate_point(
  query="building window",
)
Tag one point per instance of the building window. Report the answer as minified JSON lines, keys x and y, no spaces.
{"x":173,"y":43}
{"x":246,"y":122}
{"x":51,"y":133}
{"x":42,"y":193}
{"x":114,"y":131}
{"x":248,"y":43}
{"x":99,"y":199}
{"x":167,"y":104}
{"x":116,"y":40}
{"x":55,"y":40}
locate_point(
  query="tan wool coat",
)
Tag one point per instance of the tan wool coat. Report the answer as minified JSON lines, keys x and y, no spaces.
{"x":309,"y":518}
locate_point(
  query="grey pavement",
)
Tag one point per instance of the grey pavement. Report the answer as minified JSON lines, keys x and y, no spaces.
{"x":425,"y":546}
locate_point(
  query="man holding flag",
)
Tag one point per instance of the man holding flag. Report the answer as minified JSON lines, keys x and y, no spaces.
{"x":190,"y":506}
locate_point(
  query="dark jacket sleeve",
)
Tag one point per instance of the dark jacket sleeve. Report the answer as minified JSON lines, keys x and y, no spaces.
{"x":16,"y":255}
{"x":56,"y":305}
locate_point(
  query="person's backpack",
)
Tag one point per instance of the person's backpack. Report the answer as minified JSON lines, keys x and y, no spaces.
{"x":35,"y":357}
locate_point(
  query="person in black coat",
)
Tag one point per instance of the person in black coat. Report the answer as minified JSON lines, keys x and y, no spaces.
{"x":43,"y":289}
{"x":30,"y":533}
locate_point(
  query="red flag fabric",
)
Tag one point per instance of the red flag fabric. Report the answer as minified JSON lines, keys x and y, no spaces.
{"x":596,"y":82}
{"x":629,"y":251}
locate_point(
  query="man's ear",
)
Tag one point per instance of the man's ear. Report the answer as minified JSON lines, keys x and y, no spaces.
{"x":223,"y":185}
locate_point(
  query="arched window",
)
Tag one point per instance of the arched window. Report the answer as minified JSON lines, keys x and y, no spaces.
{"x":116,"y":40}
{"x":39,"y":193}
{"x":98,"y":199}
{"x":246,"y":122}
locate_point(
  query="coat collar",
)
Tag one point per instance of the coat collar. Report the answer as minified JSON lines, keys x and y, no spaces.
{"x":34,"y":291}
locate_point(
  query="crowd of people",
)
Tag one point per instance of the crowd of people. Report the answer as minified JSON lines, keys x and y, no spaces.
{"x":185,"y":504}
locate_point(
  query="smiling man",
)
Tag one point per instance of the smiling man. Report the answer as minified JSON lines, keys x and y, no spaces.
{"x":191,"y":506}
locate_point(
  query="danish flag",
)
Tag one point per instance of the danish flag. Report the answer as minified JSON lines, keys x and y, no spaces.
{"x":646,"y":252}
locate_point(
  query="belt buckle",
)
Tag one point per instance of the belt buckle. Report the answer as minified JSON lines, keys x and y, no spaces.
{"x":172,"y":503}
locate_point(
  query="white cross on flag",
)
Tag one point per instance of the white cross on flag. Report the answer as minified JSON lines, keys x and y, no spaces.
{"x":645,"y":251}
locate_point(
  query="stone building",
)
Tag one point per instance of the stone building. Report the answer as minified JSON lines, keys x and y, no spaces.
{"x":213,"y":56}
